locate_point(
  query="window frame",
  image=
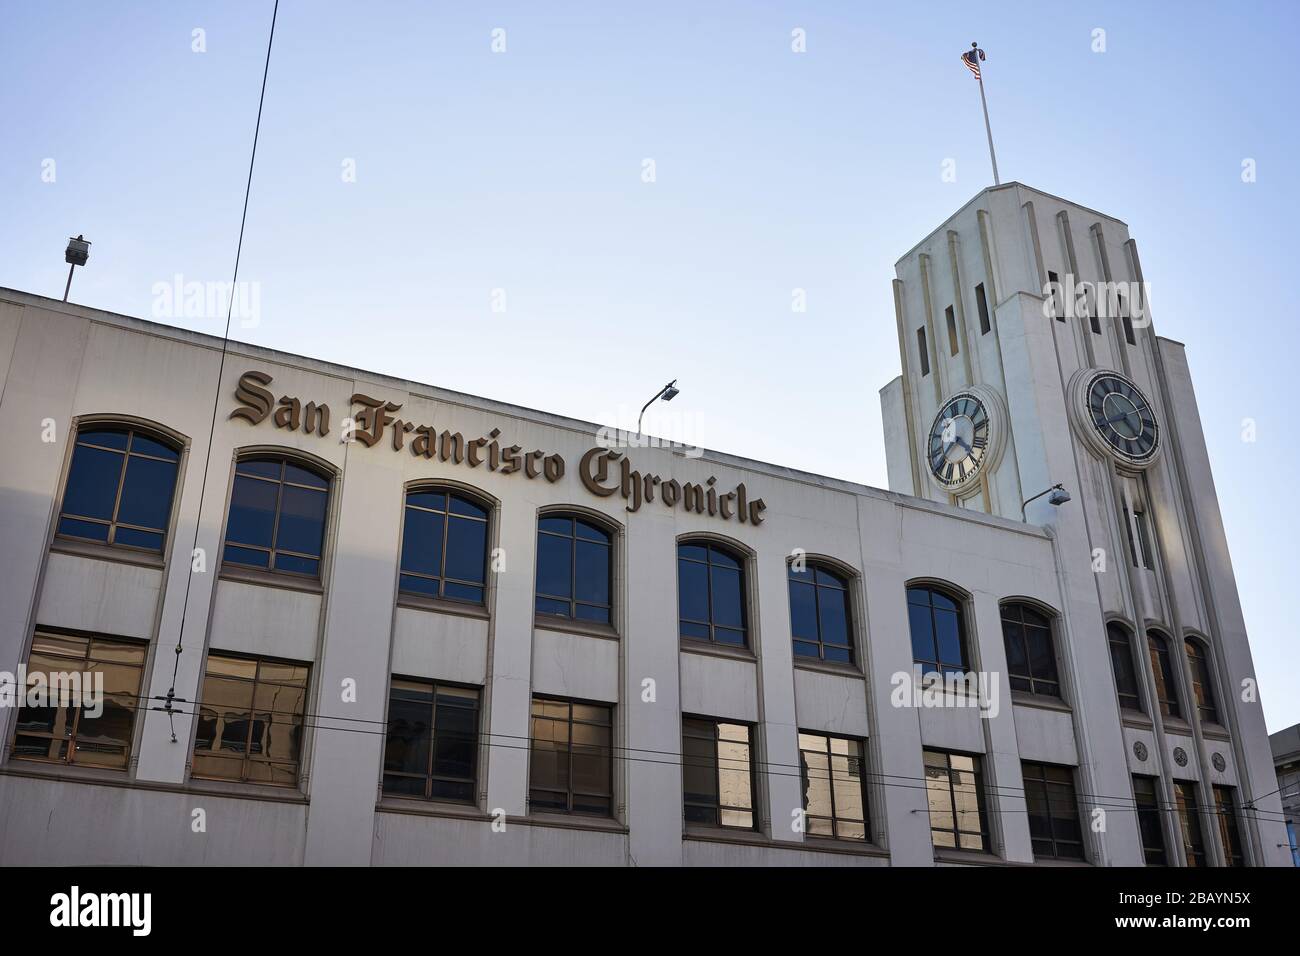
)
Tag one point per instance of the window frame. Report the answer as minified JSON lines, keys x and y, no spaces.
{"x":1039,"y":779}
{"x":955,"y":830}
{"x":570,"y":791}
{"x":740,"y":558}
{"x":845,"y":583}
{"x":130,"y":429}
{"x":1113,"y":627}
{"x":285,"y":458}
{"x":86,"y":660}
{"x":1024,"y":626}
{"x":470,"y":498}
{"x":245,"y":758}
{"x":835,"y":820}
{"x":963,"y":632}
{"x":1225,"y":806}
{"x":1168,"y":698}
{"x":611,"y":535}
{"x":429,"y":777}
{"x":1190,"y":824}
{"x":717,"y":807}
{"x":1150,"y":817}
{"x":1197,"y":650}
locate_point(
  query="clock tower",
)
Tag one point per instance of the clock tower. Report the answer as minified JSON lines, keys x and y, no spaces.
{"x":1029,"y":360}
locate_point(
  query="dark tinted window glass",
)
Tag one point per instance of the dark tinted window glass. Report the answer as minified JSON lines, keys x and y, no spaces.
{"x":938,"y":631}
{"x":277,"y":517}
{"x":820,"y":620}
{"x":1225,"y":805}
{"x":1121,"y":659}
{"x":923,"y":351}
{"x":711,"y":594}
{"x":981,"y":301}
{"x":1189,"y":818}
{"x":1031,"y":659}
{"x":1053,"y":812}
{"x":119,"y":489}
{"x":431,"y":746}
{"x":574,"y":569}
{"x":444,"y":546}
{"x":1148,"y":811}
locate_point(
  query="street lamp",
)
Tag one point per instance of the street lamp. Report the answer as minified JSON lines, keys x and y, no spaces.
{"x":77,"y":253}
{"x":1057,"y":496}
{"x":667,"y":393}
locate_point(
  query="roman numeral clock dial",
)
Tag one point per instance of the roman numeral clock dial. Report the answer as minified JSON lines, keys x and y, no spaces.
{"x":959,"y":442}
{"x":1117,"y":418}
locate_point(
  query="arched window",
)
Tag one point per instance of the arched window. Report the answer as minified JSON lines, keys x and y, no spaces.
{"x":711,"y":594}
{"x":277,"y":516}
{"x":938,"y":630}
{"x":820,"y":620}
{"x":444,"y":546}
{"x":1031,"y":658}
{"x":1202,"y":682}
{"x":1163,"y":666}
{"x":574,"y":569}
{"x":120,"y":488}
{"x":1121,"y":662}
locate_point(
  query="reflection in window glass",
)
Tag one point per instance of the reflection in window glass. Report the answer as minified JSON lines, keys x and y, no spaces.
{"x":717,"y":774}
{"x":1225,"y":805}
{"x":834,"y":789}
{"x":1189,"y":819}
{"x":938,"y":631}
{"x":431,"y":744}
{"x":711,"y":594}
{"x":1031,"y":659}
{"x":277,"y":517}
{"x":1121,"y":661}
{"x":956,"y":799}
{"x":444,"y":546}
{"x":250,"y":720}
{"x":571,"y":770}
{"x":1202,"y":682}
{"x":820,"y":620}
{"x":119,"y":489}
{"x":1163,"y":667}
{"x":67,"y":732}
{"x":574,"y":569}
{"x":1146,"y":800}
{"x":1054,"y":827}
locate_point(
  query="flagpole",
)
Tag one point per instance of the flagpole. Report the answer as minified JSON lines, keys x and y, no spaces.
{"x":987,"y":128}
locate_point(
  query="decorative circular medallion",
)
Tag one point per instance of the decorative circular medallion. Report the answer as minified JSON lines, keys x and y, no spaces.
{"x":1140,"y":750}
{"x":1180,"y":756}
{"x":1219,"y":763}
{"x":965,"y":437}
{"x":1115,"y":417}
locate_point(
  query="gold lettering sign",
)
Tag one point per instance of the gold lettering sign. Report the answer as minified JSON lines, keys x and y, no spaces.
{"x":377,"y":416}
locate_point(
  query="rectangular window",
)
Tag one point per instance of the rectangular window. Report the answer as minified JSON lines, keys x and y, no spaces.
{"x":1146,"y":799}
{"x":952,"y":330}
{"x":571,"y":770}
{"x":65,"y":731}
{"x":1190,"y":819}
{"x":249,"y":726}
{"x":1126,"y":319}
{"x":956,"y":797}
{"x":1054,"y":283}
{"x":1143,"y":540}
{"x":717,"y":773}
{"x":834,"y":792}
{"x":924,"y":352}
{"x":1053,"y":811}
{"x":1225,"y":805}
{"x":1094,"y":317}
{"x":431,"y":745}
{"x":982,"y":303}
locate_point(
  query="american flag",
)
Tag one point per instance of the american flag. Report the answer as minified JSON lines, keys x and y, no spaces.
{"x":972,"y":60}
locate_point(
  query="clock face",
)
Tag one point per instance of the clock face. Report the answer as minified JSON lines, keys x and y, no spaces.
{"x":1123,"y":417}
{"x":959,"y":441}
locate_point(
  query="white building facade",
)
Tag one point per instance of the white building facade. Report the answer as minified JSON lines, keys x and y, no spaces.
{"x":419,"y":627}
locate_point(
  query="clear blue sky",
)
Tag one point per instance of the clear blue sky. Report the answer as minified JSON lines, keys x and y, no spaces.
{"x":522,"y":171}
